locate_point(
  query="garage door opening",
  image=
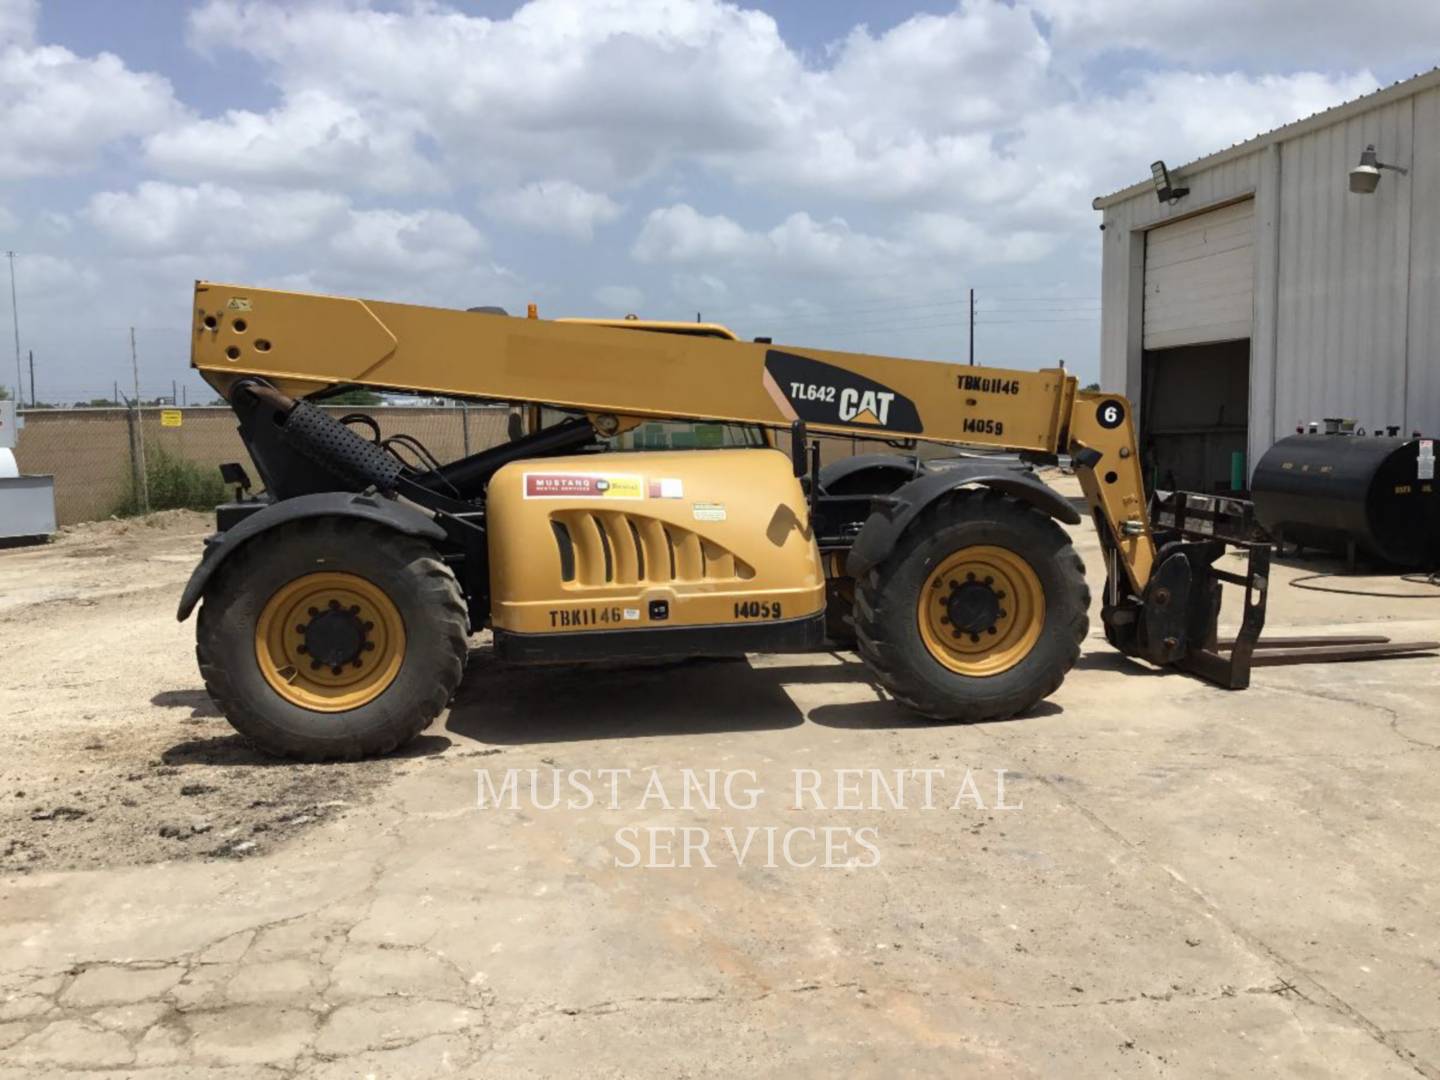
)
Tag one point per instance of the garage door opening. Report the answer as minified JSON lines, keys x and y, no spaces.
{"x":1195,"y":415}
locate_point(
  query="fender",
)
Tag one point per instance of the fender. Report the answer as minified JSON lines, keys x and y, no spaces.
{"x":900,"y":468}
{"x":402,"y":517}
{"x":892,"y":514}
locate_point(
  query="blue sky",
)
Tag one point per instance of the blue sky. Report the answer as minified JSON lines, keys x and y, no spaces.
{"x":834,"y":173}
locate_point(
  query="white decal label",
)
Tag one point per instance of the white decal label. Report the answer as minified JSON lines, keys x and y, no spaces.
{"x":708,"y":511}
{"x":632,"y":614}
{"x":1426,"y":463}
{"x":669,"y":487}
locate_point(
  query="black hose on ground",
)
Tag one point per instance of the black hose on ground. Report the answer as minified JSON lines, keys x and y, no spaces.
{"x":1414,"y":579}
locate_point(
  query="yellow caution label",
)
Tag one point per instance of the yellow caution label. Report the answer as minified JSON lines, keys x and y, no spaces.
{"x":171,"y":417}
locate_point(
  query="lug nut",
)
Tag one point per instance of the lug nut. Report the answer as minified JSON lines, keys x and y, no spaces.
{"x":301,"y":649}
{"x":944,"y":620}
{"x":369,"y":646}
{"x":975,"y":639}
{"x":314,"y":611}
{"x":314,"y":665}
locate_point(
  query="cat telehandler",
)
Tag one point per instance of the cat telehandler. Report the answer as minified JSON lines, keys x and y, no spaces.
{"x":661,"y":497}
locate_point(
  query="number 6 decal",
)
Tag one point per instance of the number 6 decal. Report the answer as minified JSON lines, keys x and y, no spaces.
{"x":1111,"y":414}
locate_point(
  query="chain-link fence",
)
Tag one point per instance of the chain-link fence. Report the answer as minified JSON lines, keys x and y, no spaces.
{"x":95,"y":455}
{"x":109,"y":461}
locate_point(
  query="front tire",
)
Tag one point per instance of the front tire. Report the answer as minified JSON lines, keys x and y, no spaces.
{"x":332,"y":638}
{"x":978,"y":613}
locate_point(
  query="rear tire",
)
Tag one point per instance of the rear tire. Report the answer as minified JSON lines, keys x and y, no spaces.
{"x":1012,"y":663}
{"x":376,"y":700}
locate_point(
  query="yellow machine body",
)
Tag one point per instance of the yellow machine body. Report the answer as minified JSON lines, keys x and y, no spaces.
{"x":954,"y":582}
{"x":652,"y":540}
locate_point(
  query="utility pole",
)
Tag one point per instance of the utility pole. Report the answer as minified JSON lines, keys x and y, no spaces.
{"x":32,"y":378}
{"x":142,"y":480}
{"x":15,"y":319}
{"x":174,"y":399}
{"x":972,"y":327}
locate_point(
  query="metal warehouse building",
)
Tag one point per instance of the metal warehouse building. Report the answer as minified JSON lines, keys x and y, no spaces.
{"x":1264,"y":287}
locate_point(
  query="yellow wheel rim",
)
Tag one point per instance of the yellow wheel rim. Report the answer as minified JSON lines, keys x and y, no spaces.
{"x":981,"y":610}
{"x":329,"y":642}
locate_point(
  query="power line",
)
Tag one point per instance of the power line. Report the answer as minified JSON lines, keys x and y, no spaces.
{"x":949,"y":323}
{"x":888,"y":307}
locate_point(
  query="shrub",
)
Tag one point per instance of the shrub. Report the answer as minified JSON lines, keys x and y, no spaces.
{"x":175,"y":483}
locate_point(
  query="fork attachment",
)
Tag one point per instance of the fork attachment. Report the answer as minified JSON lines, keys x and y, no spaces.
{"x":1174,"y":622}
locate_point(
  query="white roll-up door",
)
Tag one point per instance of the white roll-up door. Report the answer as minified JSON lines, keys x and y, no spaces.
{"x":1200,"y":278}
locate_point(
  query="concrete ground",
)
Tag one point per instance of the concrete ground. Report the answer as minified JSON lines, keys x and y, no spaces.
{"x":1191,"y":882}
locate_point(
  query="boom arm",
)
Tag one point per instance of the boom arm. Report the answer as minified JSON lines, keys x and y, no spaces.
{"x":305,"y":343}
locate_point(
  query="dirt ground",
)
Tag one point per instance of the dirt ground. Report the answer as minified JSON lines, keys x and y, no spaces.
{"x":1174,"y":880}
{"x":115,"y":754}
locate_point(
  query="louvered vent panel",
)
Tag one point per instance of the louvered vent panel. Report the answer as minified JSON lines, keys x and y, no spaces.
{"x":605,"y":547}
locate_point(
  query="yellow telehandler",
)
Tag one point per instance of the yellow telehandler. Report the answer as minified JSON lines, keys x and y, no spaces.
{"x":663,"y":498}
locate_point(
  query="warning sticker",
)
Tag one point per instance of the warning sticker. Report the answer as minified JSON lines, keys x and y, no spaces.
{"x":1426,"y":461}
{"x":708,"y":511}
{"x":583,"y":486}
{"x":667,"y":488}
{"x":171,"y":418}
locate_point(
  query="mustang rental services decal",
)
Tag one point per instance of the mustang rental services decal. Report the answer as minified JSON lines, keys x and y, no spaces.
{"x":583,"y":486}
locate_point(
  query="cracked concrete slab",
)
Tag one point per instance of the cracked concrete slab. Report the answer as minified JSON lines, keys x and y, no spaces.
{"x":1197,"y":883}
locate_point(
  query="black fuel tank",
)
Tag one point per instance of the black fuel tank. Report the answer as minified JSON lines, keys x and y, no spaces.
{"x":1328,"y":491}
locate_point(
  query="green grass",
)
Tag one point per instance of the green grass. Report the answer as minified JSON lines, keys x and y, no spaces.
{"x":175,"y":483}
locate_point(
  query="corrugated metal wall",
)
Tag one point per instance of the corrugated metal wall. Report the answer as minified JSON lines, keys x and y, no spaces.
{"x":1347,"y":307}
{"x":1344,"y":262}
{"x":1422,"y":394}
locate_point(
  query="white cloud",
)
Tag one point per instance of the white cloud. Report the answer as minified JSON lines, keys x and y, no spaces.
{"x":312,"y":137}
{"x":680,"y":233}
{"x":17,"y":21}
{"x":1288,"y":34}
{"x":58,"y":110}
{"x":554,"y":206}
{"x":159,"y":216}
{"x":405,"y":243}
{"x":804,"y":248}
{"x":766,"y":180}
{"x":969,"y":113}
{"x":624,"y":299}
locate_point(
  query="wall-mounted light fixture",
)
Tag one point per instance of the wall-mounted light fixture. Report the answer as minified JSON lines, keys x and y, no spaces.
{"x":1365,"y":177}
{"x":1166,"y":191}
